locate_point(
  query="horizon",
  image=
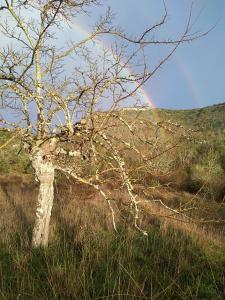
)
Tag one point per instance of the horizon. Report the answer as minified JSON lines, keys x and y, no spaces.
{"x":178,"y":109}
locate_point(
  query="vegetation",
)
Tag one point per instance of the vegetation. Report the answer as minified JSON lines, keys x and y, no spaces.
{"x":51,"y":89}
{"x":208,"y":120}
{"x":86,"y":259}
{"x":208,"y":124}
{"x":124,"y":166}
{"x":200,"y":164}
{"x":12,"y":160}
{"x":108,"y":266}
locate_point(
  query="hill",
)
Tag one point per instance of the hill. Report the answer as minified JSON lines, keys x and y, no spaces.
{"x":86,"y":259}
{"x":209,"y":120}
{"x":206,"y":154}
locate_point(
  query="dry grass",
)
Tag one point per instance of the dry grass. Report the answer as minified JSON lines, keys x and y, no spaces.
{"x":80,"y":204}
{"x":87,"y":260}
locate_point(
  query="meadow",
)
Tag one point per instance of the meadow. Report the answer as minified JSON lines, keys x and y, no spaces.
{"x":87,"y":259}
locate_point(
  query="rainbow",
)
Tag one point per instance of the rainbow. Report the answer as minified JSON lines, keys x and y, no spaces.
{"x":189,"y":81}
{"x":80,"y":29}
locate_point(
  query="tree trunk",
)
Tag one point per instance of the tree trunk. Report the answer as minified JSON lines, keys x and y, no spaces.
{"x":44,"y":172}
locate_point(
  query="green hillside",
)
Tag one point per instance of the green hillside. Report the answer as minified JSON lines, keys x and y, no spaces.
{"x":199,"y":162}
{"x":208,"y":120}
{"x":86,"y":259}
{"x":204,"y":156}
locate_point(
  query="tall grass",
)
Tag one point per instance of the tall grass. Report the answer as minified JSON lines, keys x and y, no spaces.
{"x":87,"y":260}
{"x":105,"y":265}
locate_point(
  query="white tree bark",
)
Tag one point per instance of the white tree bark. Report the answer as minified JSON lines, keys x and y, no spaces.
{"x":44,"y":172}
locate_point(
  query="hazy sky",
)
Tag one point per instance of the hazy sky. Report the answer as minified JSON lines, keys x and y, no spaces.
{"x":195,"y":75}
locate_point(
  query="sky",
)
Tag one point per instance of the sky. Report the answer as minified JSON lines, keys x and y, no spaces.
{"x":195,"y":75}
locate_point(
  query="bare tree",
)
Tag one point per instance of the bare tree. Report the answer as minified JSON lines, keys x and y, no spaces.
{"x":50,"y":97}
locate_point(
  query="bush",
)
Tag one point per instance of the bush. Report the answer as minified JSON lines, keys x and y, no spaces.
{"x":12,"y":160}
{"x":205,"y":174}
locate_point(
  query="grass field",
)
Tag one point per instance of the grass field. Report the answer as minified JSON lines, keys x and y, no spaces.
{"x":86,"y":259}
